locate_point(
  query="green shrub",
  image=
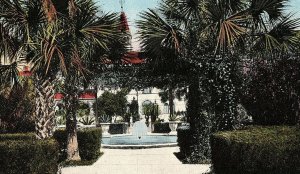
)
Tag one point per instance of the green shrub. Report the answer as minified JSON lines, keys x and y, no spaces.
{"x":184,"y":139}
{"x":28,"y":156}
{"x":18,"y":136}
{"x":255,"y":150}
{"x":161,"y":128}
{"x":118,"y":128}
{"x":89,"y":142}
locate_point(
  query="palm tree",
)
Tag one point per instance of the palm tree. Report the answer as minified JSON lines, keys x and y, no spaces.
{"x":216,"y":35}
{"x":70,"y":37}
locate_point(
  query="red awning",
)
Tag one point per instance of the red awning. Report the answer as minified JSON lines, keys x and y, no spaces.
{"x":87,"y":96}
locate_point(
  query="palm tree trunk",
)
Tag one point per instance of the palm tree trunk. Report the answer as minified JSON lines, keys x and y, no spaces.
{"x":44,"y":108}
{"x":71,"y":105}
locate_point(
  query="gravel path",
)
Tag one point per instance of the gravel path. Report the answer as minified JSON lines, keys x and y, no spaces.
{"x":140,"y":161}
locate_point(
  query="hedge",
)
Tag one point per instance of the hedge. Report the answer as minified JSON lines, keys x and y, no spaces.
{"x":256,"y":150}
{"x":161,"y":128}
{"x":17,"y":136}
{"x":28,"y":156}
{"x":89,"y":142}
{"x":117,"y":128}
{"x":184,"y":139}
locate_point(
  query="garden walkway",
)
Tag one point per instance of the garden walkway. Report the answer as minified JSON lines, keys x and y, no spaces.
{"x":140,"y":161}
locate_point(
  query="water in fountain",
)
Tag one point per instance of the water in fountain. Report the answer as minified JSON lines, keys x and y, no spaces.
{"x":139,"y":129}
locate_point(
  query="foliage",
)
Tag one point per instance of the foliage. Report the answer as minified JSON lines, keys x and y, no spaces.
{"x":89,"y":141}
{"x":257,"y":150}
{"x":83,"y":113}
{"x":117,"y":128}
{"x":17,"y":108}
{"x":271,"y":91}
{"x":105,"y":119}
{"x":83,"y":110}
{"x":87,"y":120}
{"x":17,"y":137}
{"x":134,"y":110}
{"x":176,"y":117}
{"x":72,"y":37}
{"x":161,"y":127}
{"x":28,"y":156}
{"x":111,"y":104}
{"x":151,"y":109}
{"x":210,"y":39}
{"x":60,"y":115}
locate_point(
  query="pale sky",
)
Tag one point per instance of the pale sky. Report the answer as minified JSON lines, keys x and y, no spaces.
{"x":133,"y":7}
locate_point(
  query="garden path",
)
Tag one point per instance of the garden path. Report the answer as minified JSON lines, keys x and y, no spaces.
{"x":140,"y":161}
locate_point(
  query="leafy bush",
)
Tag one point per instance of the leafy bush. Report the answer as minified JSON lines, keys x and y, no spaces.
{"x":28,"y":156}
{"x":183,"y":139}
{"x":17,"y":108}
{"x":111,"y":104}
{"x":161,"y":128}
{"x":271,"y":91}
{"x":89,"y":142}
{"x":118,"y":128}
{"x":254,"y":150}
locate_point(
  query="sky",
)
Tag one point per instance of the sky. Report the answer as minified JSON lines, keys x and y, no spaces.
{"x":132,"y":8}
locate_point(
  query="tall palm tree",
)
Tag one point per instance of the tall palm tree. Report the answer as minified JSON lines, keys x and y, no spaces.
{"x":215,"y":36}
{"x":70,"y":37}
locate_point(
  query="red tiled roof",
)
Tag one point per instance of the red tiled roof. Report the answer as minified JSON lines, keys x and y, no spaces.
{"x":124,"y":23}
{"x":58,"y":96}
{"x":26,"y":72}
{"x":83,"y":96}
{"x":131,"y":57}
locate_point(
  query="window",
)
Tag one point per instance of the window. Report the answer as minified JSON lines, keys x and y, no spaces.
{"x":147,"y":91}
{"x":166,"y":108}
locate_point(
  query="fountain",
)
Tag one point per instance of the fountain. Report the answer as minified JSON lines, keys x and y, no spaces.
{"x":139,"y":139}
{"x":139,"y":129}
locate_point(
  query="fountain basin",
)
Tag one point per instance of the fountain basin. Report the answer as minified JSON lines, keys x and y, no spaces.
{"x":136,"y":142}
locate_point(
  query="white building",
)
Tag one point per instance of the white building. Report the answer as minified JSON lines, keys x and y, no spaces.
{"x":151,"y":95}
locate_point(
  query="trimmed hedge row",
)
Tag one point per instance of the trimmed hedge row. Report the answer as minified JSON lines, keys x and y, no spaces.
{"x":28,"y":156}
{"x":89,"y":142}
{"x":257,"y":150}
{"x":184,"y":139}
{"x":17,"y":136}
{"x":161,"y":128}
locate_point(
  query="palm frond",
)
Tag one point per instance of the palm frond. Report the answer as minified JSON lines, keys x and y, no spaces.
{"x":99,"y":30}
{"x":230,"y":31}
{"x":273,"y":8}
{"x":156,"y":33}
{"x":281,"y":35}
